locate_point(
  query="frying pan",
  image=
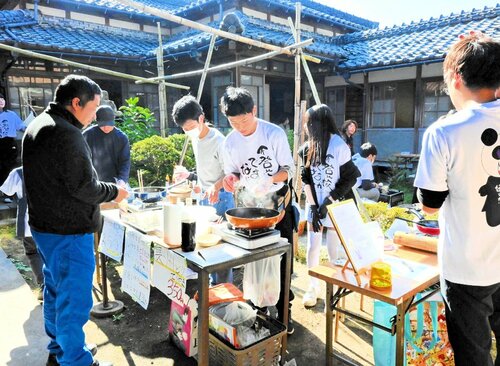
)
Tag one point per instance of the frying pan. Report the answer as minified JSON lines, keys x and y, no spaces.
{"x":253,"y":217}
{"x":429,"y":227}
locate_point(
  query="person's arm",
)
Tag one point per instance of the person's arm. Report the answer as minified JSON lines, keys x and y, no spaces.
{"x":20,"y":126}
{"x":431,"y":200}
{"x":348,"y":174}
{"x":367,"y":184}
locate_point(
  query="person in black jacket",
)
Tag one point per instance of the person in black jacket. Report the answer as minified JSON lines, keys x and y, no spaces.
{"x":328,"y":174}
{"x":63,"y":203}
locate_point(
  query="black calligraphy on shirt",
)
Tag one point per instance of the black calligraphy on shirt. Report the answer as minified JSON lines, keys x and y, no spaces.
{"x":323,"y":175}
{"x":260,"y":163}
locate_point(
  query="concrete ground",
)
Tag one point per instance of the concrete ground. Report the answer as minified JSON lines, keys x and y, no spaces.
{"x":23,"y":342}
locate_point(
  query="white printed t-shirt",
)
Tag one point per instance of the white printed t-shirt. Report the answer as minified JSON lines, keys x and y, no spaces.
{"x":326,"y":176}
{"x":461,"y":153}
{"x":258,"y":156}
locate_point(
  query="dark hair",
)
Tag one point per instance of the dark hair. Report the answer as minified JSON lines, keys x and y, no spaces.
{"x":76,"y":86}
{"x":320,"y":127}
{"x":186,"y":108}
{"x":367,"y":149}
{"x":2,"y":96}
{"x":236,"y":101}
{"x":476,"y":57}
{"x":346,"y":124}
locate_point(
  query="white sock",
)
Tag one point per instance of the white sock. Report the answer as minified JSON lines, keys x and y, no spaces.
{"x":332,"y":244}
{"x":313,"y":250}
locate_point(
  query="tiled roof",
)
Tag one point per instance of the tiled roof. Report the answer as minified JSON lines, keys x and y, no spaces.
{"x":182,"y":7}
{"x":256,"y":29}
{"x":74,"y":36}
{"x":423,"y":41}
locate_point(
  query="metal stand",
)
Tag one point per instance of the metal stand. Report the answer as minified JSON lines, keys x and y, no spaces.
{"x":106,"y":308}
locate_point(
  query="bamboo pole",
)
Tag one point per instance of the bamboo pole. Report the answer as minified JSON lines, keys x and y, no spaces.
{"x":162,"y":97}
{"x":84,"y":66}
{"x":304,"y":65}
{"x":202,"y":27}
{"x":296,"y":120}
{"x":232,"y":64}
{"x":200,"y":91}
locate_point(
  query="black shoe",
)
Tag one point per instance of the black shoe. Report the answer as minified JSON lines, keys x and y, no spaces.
{"x":52,"y":360}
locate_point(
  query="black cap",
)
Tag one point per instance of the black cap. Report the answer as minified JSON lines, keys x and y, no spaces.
{"x":105,"y":116}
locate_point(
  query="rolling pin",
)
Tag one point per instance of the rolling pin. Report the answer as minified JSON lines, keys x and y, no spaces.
{"x":422,"y":242}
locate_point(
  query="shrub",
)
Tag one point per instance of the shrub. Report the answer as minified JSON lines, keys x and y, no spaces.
{"x":136,"y":122}
{"x":156,"y":156}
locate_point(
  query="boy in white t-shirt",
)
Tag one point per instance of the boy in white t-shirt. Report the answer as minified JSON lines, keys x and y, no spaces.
{"x":365,"y":185}
{"x":257,"y":157}
{"x":459,"y":173}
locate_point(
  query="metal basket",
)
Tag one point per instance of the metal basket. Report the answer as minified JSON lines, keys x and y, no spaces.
{"x":266,"y":352}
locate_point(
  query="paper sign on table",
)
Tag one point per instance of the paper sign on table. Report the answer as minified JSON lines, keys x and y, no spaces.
{"x":137,"y":267}
{"x":169,"y":270}
{"x":111,"y":242}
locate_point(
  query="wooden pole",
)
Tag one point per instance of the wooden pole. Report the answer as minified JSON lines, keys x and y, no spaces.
{"x":162,"y":97}
{"x":84,"y":66}
{"x":296,"y":119}
{"x":230,"y":65}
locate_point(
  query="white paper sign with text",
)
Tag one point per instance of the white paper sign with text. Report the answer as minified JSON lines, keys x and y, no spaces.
{"x":136,"y":276}
{"x":111,"y":242}
{"x":169,"y":270}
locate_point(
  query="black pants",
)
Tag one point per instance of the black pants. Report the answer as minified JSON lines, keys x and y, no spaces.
{"x":8,"y":157}
{"x":285,"y":227}
{"x":34,"y":259}
{"x":473,"y":312}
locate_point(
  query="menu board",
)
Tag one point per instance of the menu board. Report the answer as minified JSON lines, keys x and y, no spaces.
{"x":111,"y":242}
{"x":361,"y":240}
{"x":137,"y":267}
{"x":169,"y":270}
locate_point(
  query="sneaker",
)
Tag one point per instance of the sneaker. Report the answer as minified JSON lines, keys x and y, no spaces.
{"x":7,"y":200}
{"x":290,"y":329}
{"x":310,"y":297}
{"x":101,"y":363}
{"x":39,"y":295}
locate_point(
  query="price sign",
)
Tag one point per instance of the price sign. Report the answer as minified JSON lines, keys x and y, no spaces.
{"x":111,"y":242}
{"x":169,"y":270}
{"x":137,"y":267}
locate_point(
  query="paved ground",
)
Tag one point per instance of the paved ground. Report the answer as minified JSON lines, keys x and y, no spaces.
{"x":22,"y":340}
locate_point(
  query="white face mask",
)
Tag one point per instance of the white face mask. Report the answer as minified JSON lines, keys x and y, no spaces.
{"x":193,"y":133}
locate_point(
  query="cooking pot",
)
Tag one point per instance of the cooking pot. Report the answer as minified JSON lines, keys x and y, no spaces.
{"x":150,"y":194}
{"x":253,"y":217}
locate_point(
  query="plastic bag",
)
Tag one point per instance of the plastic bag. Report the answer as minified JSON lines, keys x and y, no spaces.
{"x":239,"y":313}
{"x":261,"y":281}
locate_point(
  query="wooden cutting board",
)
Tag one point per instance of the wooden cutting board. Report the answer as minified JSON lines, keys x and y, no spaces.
{"x":422,"y":242}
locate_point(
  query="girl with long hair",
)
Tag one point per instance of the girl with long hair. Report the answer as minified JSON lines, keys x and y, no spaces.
{"x":328,"y":173}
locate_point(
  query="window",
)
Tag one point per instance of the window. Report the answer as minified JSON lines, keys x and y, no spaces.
{"x":255,"y":85}
{"x":335,"y":99}
{"x":393,"y":104}
{"x":219,"y":85}
{"x":436,"y":102}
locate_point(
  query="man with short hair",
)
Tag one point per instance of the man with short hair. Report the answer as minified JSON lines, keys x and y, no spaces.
{"x":459,"y":174}
{"x":365,"y":184}
{"x":63,"y":199}
{"x":207,"y":146}
{"x":257,"y":157}
{"x":109,"y":146}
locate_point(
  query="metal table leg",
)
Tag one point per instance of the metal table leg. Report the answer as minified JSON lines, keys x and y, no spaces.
{"x":329,"y":324}
{"x":203,"y":334}
{"x":286,"y":300}
{"x":402,"y":308}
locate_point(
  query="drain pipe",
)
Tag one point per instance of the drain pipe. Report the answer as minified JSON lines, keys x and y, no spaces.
{"x":221,"y":10}
{"x":36,"y":10}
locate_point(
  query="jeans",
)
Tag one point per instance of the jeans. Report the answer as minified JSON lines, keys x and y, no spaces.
{"x":68,"y":269}
{"x":226,"y":201}
{"x":472,"y":312}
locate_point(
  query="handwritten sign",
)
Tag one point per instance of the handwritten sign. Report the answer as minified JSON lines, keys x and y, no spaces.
{"x":169,"y":270}
{"x":137,"y":267}
{"x":111,"y":242}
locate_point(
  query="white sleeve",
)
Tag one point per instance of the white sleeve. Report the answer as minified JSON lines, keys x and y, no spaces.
{"x":282,"y":150}
{"x":432,"y":169}
{"x":220,"y":153}
{"x":13,"y":185}
{"x":344,"y":154}
{"x":230,"y":166}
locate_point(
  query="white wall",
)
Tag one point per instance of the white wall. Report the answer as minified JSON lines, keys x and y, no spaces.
{"x":432,"y":70}
{"x":45,"y":10}
{"x":403,"y":73}
{"x":123,"y":24}
{"x":87,"y":18}
{"x":339,"y":80}
{"x":254,"y":13}
{"x":154,"y":29}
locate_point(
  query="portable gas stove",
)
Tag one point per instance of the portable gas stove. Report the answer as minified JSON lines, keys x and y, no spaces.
{"x":249,"y":239}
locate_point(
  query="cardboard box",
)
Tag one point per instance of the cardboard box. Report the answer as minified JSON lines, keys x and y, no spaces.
{"x":183,"y":325}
